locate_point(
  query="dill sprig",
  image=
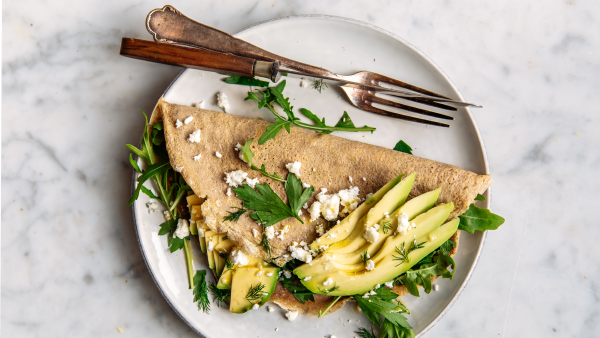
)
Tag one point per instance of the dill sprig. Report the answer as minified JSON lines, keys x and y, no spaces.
{"x":235,"y":216}
{"x":364,"y":258}
{"x":387,"y":226}
{"x":335,"y":287}
{"x":255,"y":293}
{"x":219,"y":294}
{"x":201,"y":291}
{"x":319,"y":85}
{"x":265,"y":243}
{"x":403,"y":252}
{"x":364,"y":333}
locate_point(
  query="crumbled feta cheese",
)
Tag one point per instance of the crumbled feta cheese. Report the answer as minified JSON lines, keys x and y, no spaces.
{"x":255,"y":306}
{"x":235,"y":178}
{"x":152,"y":206}
{"x":389,"y":284}
{"x":349,"y":199}
{"x":291,"y":315}
{"x":167,"y":215}
{"x":210,"y":245}
{"x":294,"y":168}
{"x":287,"y":274}
{"x":195,"y":136}
{"x":323,"y":247}
{"x":199,"y":104}
{"x":178,"y":124}
{"x":219,"y":203}
{"x":358,"y":309}
{"x":371,"y":235}
{"x":270,"y":308}
{"x":330,"y":205}
{"x":386,"y":214}
{"x":259,"y":273}
{"x":303,"y":84}
{"x":300,"y":254}
{"x":183,"y":229}
{"x":364,"y":179}
{"x":307,"y":278}
{"x":223,"y":102}
{"x":328,"y":282}
{"x":315,"y":210}
{"x":377,"y":286}
{"x":269,"y":274}
{"x":228,"y":191}
{"x":238,"y":147}
{"x":436,"y":287}
{"x":197,"y":157}
{"x":239,"y":258}
{"x":178,"y":169}
{"x":218,"y":154}
{"x":370,"y":265}
{"x":251,"y":182}
{"x":188,"y":119}
{"x":403,"y":225}
{"x":332,"y":336}
{"x":299,"y":212}
{"x":432,"y":237}
{"x":254,"y":233}
{"x":350,"y":178}
{"x":270,"y":231}
{"x":305,"y":186}
{"x":331,"y":236}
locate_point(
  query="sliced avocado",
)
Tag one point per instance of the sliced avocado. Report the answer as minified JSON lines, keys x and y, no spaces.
{"x":412,"y":209}
{"x":227,"y":275}
{"x":388,"y":203}
{"x":194,"y":200}
{"x":202,"y":229}
{"x":219,"y":260}
{"x":225,"y":246}
{"x":193,"y":228}
{"x":246,"y":279}
{"x":225,"y":279}
{"x":344,"y":229}
{"x":387,"y":269}
{"x":425,"y":223}
{"x":209,"y":253}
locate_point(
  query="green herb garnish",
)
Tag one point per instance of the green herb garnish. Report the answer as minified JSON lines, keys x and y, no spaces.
{"x":274,"y":94}
{"x":401,"y":146}
{"x":245,"y":81}
{"x":364,"y":258}
{"x":264,"y":242}
{"x":249,"y":155}
{"x":403,"y":252}
{"x":319,"y":85}
{"x":299,"y":291}
{"x":220,"y":296}
{"x":479,"y":219}
{"x":322,"y":313}
{"x":255,"y":293}
{"x":387,"y":226}
{"x":201,"y":291}
{"x":235,"y":216}
{"x":364,"y":333}
{"x":480,"y":197}
{"x":383,"y":304}
{"x":422,"y":276}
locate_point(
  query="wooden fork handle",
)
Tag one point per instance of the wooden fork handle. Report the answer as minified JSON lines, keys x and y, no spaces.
{"x":168,"y":25}
{"x":187,"y":57}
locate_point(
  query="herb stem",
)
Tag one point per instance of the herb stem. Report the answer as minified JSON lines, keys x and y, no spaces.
{"x":321,"y":314}
{"x":188,"y":258}
{"x":313,"y":127}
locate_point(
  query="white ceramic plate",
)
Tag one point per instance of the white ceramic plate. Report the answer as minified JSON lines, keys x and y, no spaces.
{"x":344,"y":46}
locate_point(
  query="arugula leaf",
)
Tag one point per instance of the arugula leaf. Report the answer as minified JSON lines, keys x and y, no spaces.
{"x":175,"y":243}
{"x":447,"y":246}
{"x":315,"y":118}
{"x":479,"y":219}
{"x":382,"y":304}
{"x":401,"y":146}
{"x":149,"y":193}
{"x":167,"y":227}
{"x":134,"y":163}
{"x":245,"y":81}
{"x":345,"y":121}
{"x":201,"y":291}
{"x":480,"y":197}
{"x":274,"y":129}
{"x":153,"y":170}
{"x":249,"y":155}
{"x":299,"y":291}
{"x":296,"y":197}
{"x":267,"y":205}
{"x":422,"y":276}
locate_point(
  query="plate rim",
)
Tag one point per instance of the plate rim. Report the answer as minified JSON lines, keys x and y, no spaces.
{"x":488,"y":200}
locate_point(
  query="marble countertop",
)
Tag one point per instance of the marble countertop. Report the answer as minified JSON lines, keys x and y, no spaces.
{"x":70,"y":260}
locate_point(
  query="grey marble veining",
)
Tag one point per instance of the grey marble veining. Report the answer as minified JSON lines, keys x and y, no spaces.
{"x":70,"y":261}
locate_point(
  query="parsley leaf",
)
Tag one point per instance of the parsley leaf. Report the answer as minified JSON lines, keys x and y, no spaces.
{"x":201,"y":291}
{"x":296,"y":197}
{"x":479,"y":219}
{"x":274,"y":94}
{"x":422,"y":276}
{"x":480,"y":197}
{"x":267,"y":206}
{"x":401,"y":146}
{"x":389,"y":330}
{"x":245,"y":81}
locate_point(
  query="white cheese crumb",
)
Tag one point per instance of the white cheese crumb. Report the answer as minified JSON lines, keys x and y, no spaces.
{"x":197,"y":157}
{"x":436,"y":287}
{"x":371,"y":235}
{"x":199,"y":104}
{"x":287,"y":274}
{"x":259,"y":273}
{"x":349,"y":199}
{"x":364,"y":179}
{"x":152,"y":206}
{"x":332,"y":336}
{"x":178,"y":169}
{"x":239,"y":258}
{"x":167,"y":215}
{"x":269,"y":274}
{"x":432,"y":237}
{"x":183,"y":229}
{"x":291,"y":315}
{"x":235,"y":178}
{"x":210,"y":245}
{"x":188,"y":119}
{"x":305,"y":186}
{"x":178,"y":124}
{"x":228,"y":191}
{"x":223,"y":102}
{"x":331,"y":236}
{"x":254,"y":233}
{"x":370,"y":265}
{"x":294,"y":168}
{"x":218,"y":154}
{"x":303,"y":84}
{"x":328,"y":282}
{"x":194,"y":137}
{"x":255,"y":306}
{"x":276,"y":329}
{"x":270,"y":231}
{"x":307,"y":278}
{"x":315,"y":210}
{"x":251,"y":182}
{"x":350,"y":178}
{"x":300,"y":254}
{"x":403,"y":225}
{"x":270,"y":308}
{"x":389,"y":284}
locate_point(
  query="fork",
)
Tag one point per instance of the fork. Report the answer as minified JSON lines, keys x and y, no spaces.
{"x":168,"y":25}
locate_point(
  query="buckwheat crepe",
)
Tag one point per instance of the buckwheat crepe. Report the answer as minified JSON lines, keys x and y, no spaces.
{"x":327,"y":162}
